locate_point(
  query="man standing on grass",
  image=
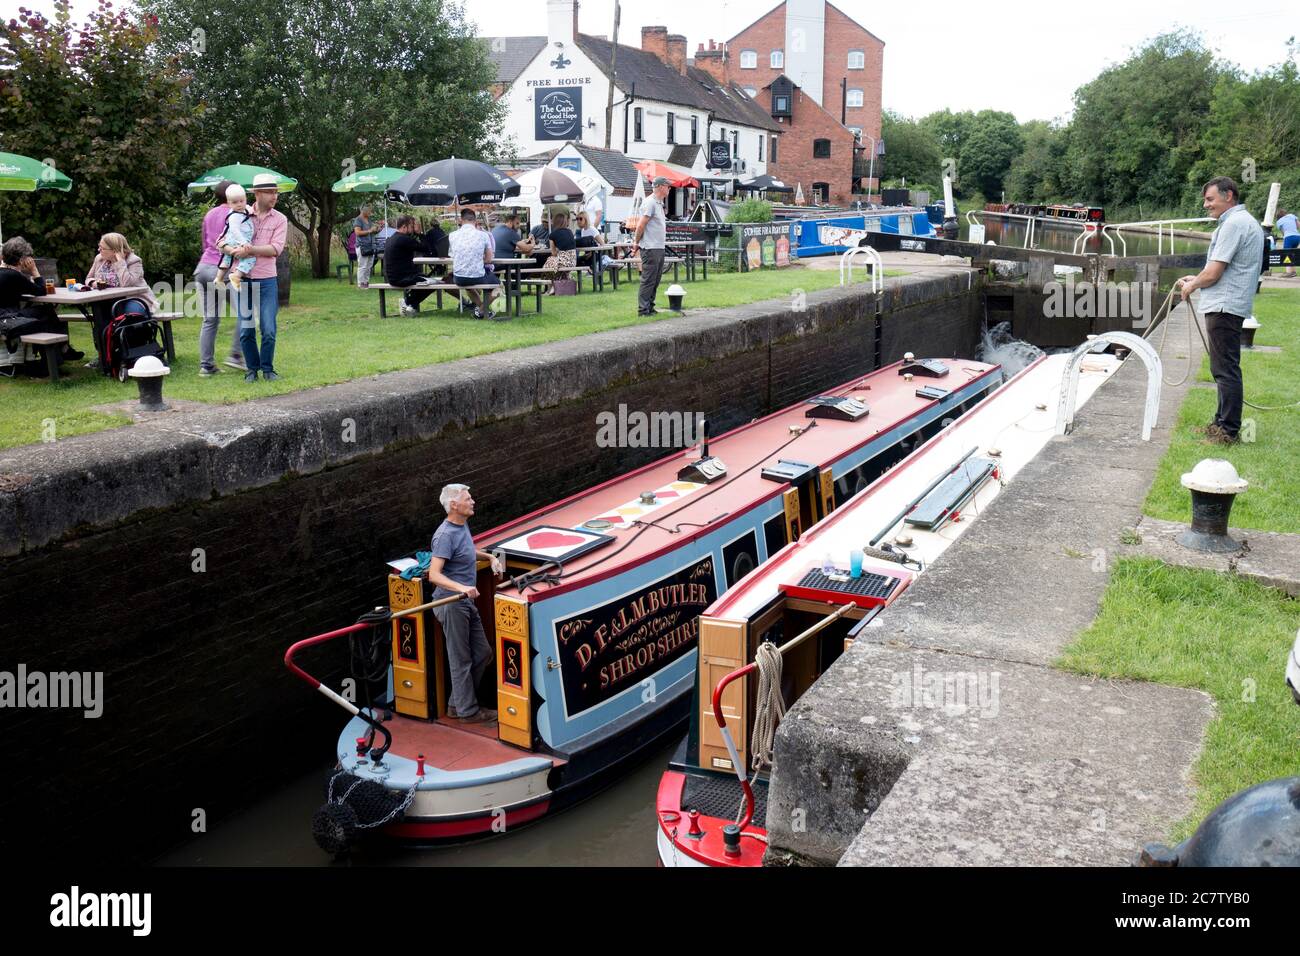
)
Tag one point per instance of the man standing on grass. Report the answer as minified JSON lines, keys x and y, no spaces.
{"x":1231,"y":273}
{"x":1290,"y":228}
{"x":650,"y":235}
{"x":270,"y":229}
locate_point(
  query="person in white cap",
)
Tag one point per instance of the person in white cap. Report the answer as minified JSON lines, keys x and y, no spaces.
{"x":270,"y":229}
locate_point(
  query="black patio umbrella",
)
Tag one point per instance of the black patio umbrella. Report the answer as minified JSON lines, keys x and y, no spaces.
{"x":451,"y":182}
{"x":765,"y":183}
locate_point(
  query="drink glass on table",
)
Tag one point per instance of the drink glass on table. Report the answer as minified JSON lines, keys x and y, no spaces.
{"x":49,"y":287}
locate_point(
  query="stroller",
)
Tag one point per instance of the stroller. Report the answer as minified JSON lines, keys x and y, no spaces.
{"x":130,"y":335}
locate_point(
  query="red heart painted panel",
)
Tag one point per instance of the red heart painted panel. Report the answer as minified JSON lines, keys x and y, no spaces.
{"x":554,"y":539}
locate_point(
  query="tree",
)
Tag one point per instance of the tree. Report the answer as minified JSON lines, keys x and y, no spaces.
{"x":1252,"y":134}
{"x":1137,"y":127}
{"x":992,"y":142}
{"x":317,"y":89}
{"x":1038,"y":174}
{"x":101,"y":106}
{"x":911,"y":152}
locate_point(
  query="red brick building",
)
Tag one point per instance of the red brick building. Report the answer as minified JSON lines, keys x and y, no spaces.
{"x":831,"y":68}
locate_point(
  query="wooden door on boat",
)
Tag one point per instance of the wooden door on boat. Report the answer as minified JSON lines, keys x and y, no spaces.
{"x":722,"y":649}
{"x":514,"y":682}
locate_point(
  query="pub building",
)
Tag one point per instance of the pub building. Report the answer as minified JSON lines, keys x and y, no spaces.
{"x":555,"y":89}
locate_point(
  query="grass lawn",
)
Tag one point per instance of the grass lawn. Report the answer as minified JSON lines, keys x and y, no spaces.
{"x":331,"y":332}
{"x":1271,"y":461}
{"x":1218,"y":633}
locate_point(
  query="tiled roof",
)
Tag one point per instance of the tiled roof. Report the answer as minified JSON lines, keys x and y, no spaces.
{"x":656,"y":80}
{"x":684,"y":156}
{"x":614,"y":167}
{"x":510,"y":55}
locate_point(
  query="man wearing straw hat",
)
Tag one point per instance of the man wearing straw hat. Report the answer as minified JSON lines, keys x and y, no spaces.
{"x":650,"y":235}
{"x":270,"y":229}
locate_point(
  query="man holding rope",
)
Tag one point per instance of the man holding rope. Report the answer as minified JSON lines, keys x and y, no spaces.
{"x":1231,"y":273}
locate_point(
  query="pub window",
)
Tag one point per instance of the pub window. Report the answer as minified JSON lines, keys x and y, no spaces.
{"x":735,"y":143}
{"x":760,"y":147}
{"x":695,"y":130}
{"x":672,"y":127}
{"x":857,"y":60}
{"x":778,"y":59}
{"x":771,"y":153}
{"x":749,"y":59}
{"x":855,"y":98}
{"x":821,"y":149}
{"x":636,"y":125}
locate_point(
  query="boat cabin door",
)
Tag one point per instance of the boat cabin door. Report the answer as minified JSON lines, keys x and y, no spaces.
{"x":810,"y":498}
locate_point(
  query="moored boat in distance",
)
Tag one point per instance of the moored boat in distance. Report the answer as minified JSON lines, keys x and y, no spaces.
{"x":1064,"y":213}
{"x":764,"y":642}
{"x":595,"y":626}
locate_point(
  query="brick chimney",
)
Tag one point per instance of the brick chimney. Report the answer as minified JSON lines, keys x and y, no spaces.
{"x":712,"y":61}
{"x":655,"y":40}
{"x":676,"y":57}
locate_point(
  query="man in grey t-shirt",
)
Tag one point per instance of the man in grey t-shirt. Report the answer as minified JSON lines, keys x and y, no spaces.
{"x":1230,"y":276}
{"x":650,"y":235}
{"x":453,"y":569}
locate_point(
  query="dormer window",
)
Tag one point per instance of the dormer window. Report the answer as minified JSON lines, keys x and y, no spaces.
{"x":782,"y":97}
{"x":749,"y":59}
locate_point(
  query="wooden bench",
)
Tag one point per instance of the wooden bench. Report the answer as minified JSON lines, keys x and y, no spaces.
{"x":46,"y":342}
{"x":577,"y":271}
{"x":438,"y":288}
{"x":674,"y":261}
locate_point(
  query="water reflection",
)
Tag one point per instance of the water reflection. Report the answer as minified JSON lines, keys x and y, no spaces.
{"x":614,"y":828}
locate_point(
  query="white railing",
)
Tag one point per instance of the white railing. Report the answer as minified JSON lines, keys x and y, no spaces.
{"x":1160,"y":224}
{"x":1090,"y":230}
{"x":1029,"y":230}
{"x":874,"y":263}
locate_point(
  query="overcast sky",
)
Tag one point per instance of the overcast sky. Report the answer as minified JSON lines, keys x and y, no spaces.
{"x":1025,"y":58}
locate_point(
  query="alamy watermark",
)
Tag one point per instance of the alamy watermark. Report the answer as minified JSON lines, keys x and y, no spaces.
{"x":637,"y":429}
{"x":75,"y":690}
{"x":953,"y":692}
{"x":1100,"y":300}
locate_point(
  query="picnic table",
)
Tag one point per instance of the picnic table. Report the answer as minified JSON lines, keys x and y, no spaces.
{"x":96,"y":307}
{"x":692,"y":256}
{"x":510,"y":271}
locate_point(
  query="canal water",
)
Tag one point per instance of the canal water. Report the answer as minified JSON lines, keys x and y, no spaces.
{"x":1058,"y":238}
{"x":616,"y":827}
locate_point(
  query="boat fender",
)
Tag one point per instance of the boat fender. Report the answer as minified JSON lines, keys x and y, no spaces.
{"x":352,"y":805}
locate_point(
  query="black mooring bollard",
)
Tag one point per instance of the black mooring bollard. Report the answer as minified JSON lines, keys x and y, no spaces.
{"x":1214,"y":485}
{"x":149,"y":373}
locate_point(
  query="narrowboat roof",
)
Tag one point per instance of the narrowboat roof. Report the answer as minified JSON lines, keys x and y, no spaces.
{"x":684,"y":510}
{"x":1017,"y":421}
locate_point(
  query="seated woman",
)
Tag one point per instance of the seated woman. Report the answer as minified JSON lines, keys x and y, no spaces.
{"x":564,"y":244}
{"x":19,"y":277}
{"x":116,"y":267}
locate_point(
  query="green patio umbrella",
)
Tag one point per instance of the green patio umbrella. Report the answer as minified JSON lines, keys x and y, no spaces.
{"x":375,"y":180}
{"x":25,"y":175}
{"x":243,"y":175}
{"x":370,"y":180}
